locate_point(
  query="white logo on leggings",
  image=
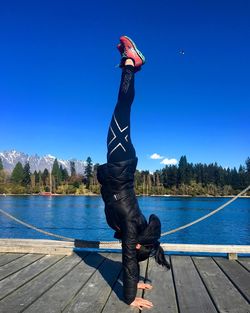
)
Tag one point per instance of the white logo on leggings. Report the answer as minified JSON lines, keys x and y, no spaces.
{"x":121,"y":131}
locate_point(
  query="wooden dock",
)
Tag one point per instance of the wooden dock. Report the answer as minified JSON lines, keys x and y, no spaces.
{"x":92,"y":282}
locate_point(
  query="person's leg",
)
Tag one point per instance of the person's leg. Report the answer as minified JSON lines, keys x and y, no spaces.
{"x":120,"y":147}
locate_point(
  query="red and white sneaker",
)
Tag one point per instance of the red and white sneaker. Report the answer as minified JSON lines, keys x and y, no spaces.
{"x":128,"y":50}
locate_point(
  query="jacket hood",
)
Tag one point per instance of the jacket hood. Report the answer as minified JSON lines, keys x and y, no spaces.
{"x":152,"y":232}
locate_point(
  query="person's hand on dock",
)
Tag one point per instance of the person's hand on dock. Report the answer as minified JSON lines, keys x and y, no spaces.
{"x":144,"y":286}
{"x":141,"y":303}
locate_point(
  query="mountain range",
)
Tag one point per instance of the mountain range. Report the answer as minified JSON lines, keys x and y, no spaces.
{"x":37,"y":163}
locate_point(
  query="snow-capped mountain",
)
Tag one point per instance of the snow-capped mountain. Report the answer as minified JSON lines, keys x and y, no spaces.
{"x":37,"y":163}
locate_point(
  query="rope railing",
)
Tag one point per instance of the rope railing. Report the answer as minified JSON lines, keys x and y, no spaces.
{"x":34,"y":227}
{"x":96,"y":244}
{"x":207,"y":215}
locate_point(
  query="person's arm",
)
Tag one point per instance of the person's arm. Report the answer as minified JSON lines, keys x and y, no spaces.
{"x":129,"y":261}
{"x":131,"y":267}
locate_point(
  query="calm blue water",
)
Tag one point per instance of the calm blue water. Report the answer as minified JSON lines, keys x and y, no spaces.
{"x":83,"y":217}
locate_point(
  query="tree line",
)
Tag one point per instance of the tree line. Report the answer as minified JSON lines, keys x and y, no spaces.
{"x":194,"y":179}
{"x":57,"y":180}
{"x":182,"y":179}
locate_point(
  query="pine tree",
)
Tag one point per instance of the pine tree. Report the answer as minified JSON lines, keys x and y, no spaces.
{"x":3,"y":176}
{"x":26,"y":175}
{"x":37,"y":177}
{"x":242,"y":177}
{"x":183,"y":172}
{"x":211,"y":174}
{"x":72,"y":169}
{"x":218,"y":175}
{"x":56,"y":173}
{"x":198,"y":173}
{"x":40,"y":181}
{"x":45,"y":177}
{"x":248,"y":165}
{"x":64,"y":173}
{"x":248,"y":171}
{"x":88,"y":171}
{"x":17,"y":173}
{"x":171,"y":176}
{"x":235,"y":179}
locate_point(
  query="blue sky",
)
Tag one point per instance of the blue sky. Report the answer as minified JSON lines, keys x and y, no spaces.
{"x":58,"y":80}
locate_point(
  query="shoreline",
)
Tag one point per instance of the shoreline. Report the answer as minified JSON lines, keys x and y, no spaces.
{"x":99,"y":195}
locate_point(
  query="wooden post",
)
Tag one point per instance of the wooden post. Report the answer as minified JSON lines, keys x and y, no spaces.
{"x":232,"y":256}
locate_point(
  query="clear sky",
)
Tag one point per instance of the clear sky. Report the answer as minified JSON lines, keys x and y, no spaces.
{"x":58,"y":80}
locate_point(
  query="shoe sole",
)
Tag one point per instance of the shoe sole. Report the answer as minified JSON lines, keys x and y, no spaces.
{"x":137,"y":51}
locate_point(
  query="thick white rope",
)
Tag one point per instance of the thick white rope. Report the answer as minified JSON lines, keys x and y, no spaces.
{"x":88,"y":243}
{"x":34,"y":227}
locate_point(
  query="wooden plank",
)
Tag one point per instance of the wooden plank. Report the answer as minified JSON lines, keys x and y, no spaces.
{"x":94,"y":294}
{"x":41,"y":242}
{"x":21,"y":277}
{"x":237,"y":274}
{"x":27,"y":294}
{"x":18,"y":264}
{"x":225,"y":296}
{"x":36,"y":246}
{"x":162,"y":294}
{"x":232,"y":256}
{"x":191,"y":294}
{"x":9,"y":257}
{"x":15,"y":245}
{"x":61,"y":294}
{"x":189,"y":247}
{"x":245,"y":262}
{"x":116,"y":302}
{"x":56,"y":250}
{"x":206,"y":248}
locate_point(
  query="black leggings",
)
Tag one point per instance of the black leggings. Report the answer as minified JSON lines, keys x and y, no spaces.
{"x":120,"y":147}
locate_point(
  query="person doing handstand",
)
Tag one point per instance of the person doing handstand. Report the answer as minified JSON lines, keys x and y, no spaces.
{"x":140,"y":239}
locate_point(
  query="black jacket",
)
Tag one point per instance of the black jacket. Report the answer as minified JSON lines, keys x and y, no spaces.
{"x":124,"y":216}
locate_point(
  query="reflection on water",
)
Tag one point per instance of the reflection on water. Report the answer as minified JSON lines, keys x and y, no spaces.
{"x":83,"y":217}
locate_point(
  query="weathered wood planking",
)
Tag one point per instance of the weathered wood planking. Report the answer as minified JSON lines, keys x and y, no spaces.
{"x":94,"y":294}
{"x":225,"y":296}
{"x":18,"y":264}
{"x":38,"y":249}
{"x":92,"y":282}
{"x":245,"y":262}
{"x":163,"y":293}
{"x":65,"y":290}
{"x":42,"y":242}
{"x":24,"y":275}
{"x":237,"y":274}
{"x":9,"y":257}
{"x":66,"y":247}
{"x":115,"y":301}
{"x":36,"y":246}
{"x":191,"y":293}
{"x":27,"y":294}
{"x":206,"y":248}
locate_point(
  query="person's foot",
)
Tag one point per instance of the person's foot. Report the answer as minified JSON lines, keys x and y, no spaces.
{"x":128,"y":50}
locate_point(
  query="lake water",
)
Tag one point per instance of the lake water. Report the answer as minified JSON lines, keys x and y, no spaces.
{"x":82,"y":217}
